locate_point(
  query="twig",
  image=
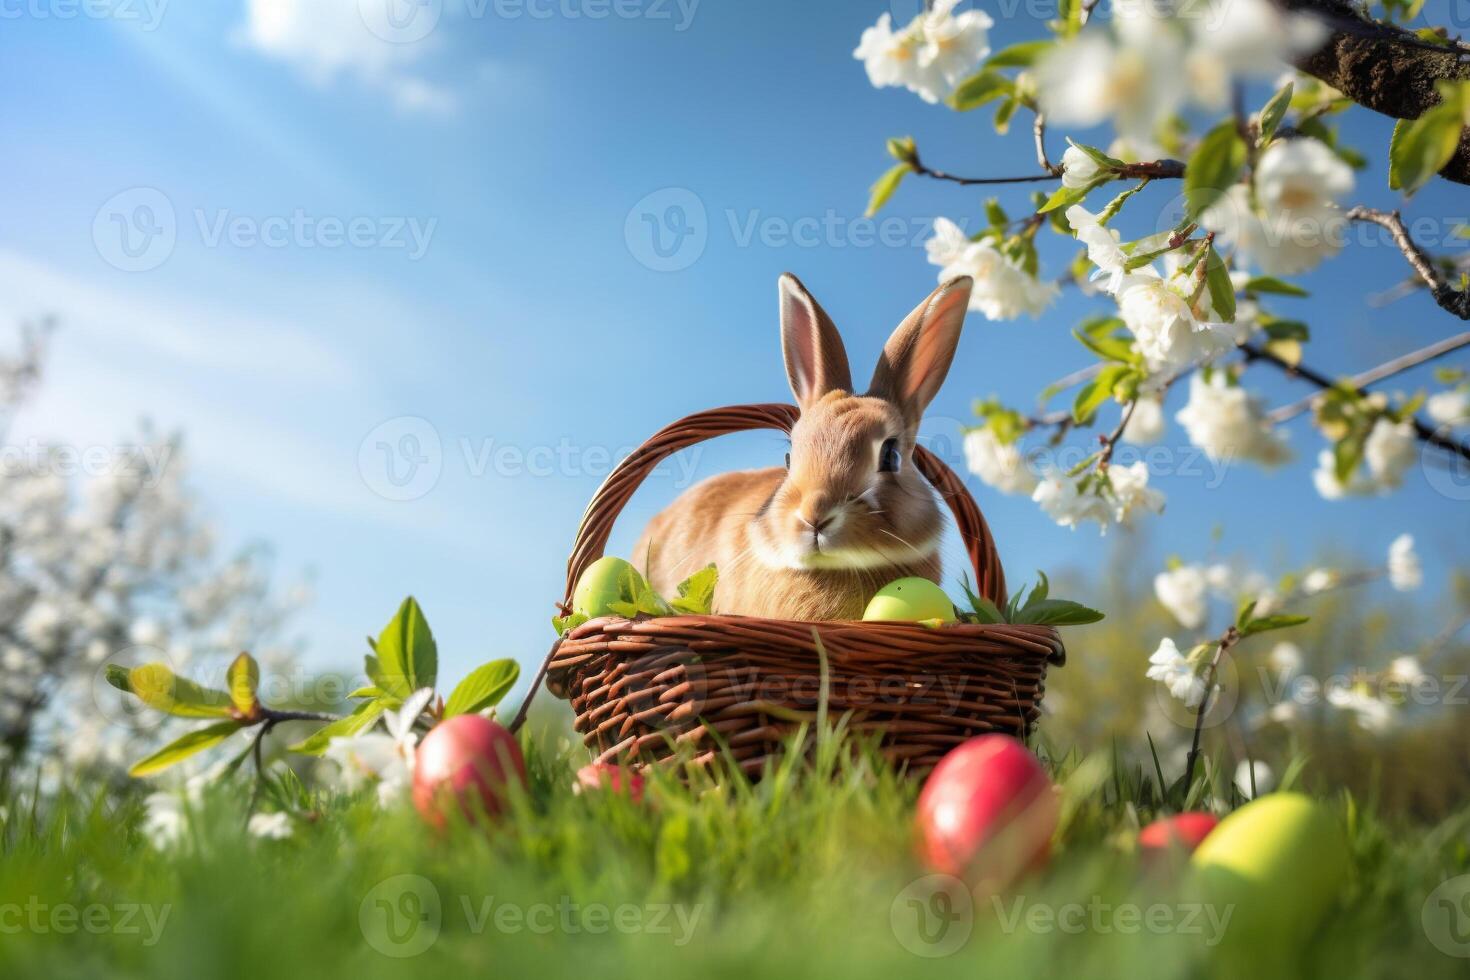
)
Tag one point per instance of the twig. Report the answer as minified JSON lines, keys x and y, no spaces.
{"x":1152,"y":169}
{"x":1110,"y":441}
{"x":259,"y":769}
{"x":1231,"y":637}
{"x":1038,"y":128}
{"x":1449,"y":298}
{"x":1385,"y":370}
{"x":1427,"y":434}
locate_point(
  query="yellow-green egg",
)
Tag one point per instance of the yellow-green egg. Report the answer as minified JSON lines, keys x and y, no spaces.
{"x":607,"y":580}
{"x":910,"y":600}
{"x":1276,"y":866}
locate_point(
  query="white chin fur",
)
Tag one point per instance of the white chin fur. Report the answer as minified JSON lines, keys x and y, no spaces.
{"x":799,"y":558}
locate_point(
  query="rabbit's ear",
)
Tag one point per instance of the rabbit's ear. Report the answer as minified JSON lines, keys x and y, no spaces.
{"x":816,"y":361}
{"x":917,"y":356}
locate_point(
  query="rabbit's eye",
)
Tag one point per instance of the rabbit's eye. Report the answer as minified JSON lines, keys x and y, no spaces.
{"x":788,"y":461}
{"x":889,"y":459}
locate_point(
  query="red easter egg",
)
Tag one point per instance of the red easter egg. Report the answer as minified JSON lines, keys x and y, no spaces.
{"x":615,"y":778}
{"x":469,"y":761}
{"x":987,"y":811}
{"x":1183,"y":832}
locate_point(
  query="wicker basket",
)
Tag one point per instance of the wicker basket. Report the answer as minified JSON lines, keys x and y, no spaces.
{"x":698,"y":686}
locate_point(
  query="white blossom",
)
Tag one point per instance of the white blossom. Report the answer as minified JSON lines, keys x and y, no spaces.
{"x":1002,"y":290}
{"x":1286,"y":658}
{"x":1293,"y":223}
{"x":1079,"y":168}
{"x":1389,"y":450}
{"x":384,"y":759}
{"x":1370,"y":713}
{"x":1062,"y":499}
{"x":1131,"y":78}
{"x":1229,"y":423}
{"x":1405,"y":670}
{"x":1184,"y":591}
{"x":1318,"y":580}
{"x":1172,"y":669}
{"x":165,"y":821}
{"x":936,"y":51}
{"x":270,"y":826}
{"x":1449,"y":407}
{"x":1243,"y":38}
{"x":1405,"y":573}
{"x":1104,"y":247}
{"x":1001,"y":465}
{"x":1264,"y":778}
{"x":1131,"y":493}
{"x":1169,"y":332}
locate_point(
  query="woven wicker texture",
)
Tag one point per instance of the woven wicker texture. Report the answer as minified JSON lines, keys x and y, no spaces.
{"x":698,"y":686}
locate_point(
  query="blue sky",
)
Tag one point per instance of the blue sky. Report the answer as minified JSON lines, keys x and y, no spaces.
{"x":528,"y":326}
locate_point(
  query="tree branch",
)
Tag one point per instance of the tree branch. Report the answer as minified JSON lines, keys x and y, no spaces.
{"x":1444,"y":294}
{"x":1423,"y":430}
{"x":1385,"y":370}
{"x":1383,"y":67}
{"x":1151,"y":169}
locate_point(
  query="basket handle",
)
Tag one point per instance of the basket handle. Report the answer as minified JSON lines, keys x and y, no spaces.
{"x":620,"y":485}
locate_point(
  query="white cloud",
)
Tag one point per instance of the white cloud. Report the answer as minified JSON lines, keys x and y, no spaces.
{"x":370,"y":40}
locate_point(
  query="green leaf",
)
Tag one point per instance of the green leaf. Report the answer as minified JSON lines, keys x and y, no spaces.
{"x":243,"y":678}
{"x":980,"y":88}
{"x":1267,"y":623}
{"x":482,"y":688}
{"x":181,"y":748}
{"x":408,"y":657}
{"x":902,"y":148}
{"x":1270,"y":284}
{"x":1273,"y":112}
{"x":1213,"y":166}
{"x":1286,"y":329}
{"x":884,"y":187}
{"x":1222,"y":290}
{"x":160,"y":688}
{"x":367,"y":692}
{"x":1108,"y":348}
{"x":1098,"y":156}
{"x":117,"y":676}
{"x":565,"y":624}
{"x":1244,"y":613}
{"x":1022,"y":55}
{"x":1056,"y":612}
{"x":985,"y":612}
{"x":1419,"y":148}
{"x":1091,"y":395}
{"x":362,"y":716}
{"x":1065,"y":197}
{"x":697,"y":592}
{"x":1004,"y":113}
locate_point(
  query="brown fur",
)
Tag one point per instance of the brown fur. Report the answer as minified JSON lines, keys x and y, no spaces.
{"x":817,"y":540}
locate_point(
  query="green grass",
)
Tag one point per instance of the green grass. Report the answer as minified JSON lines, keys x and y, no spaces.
{"x":798,"y":875}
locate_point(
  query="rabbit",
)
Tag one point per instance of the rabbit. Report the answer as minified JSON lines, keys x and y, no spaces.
{"x":849,"y":512}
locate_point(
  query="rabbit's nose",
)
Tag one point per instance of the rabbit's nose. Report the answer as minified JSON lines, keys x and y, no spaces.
{"x":819,"y":516}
